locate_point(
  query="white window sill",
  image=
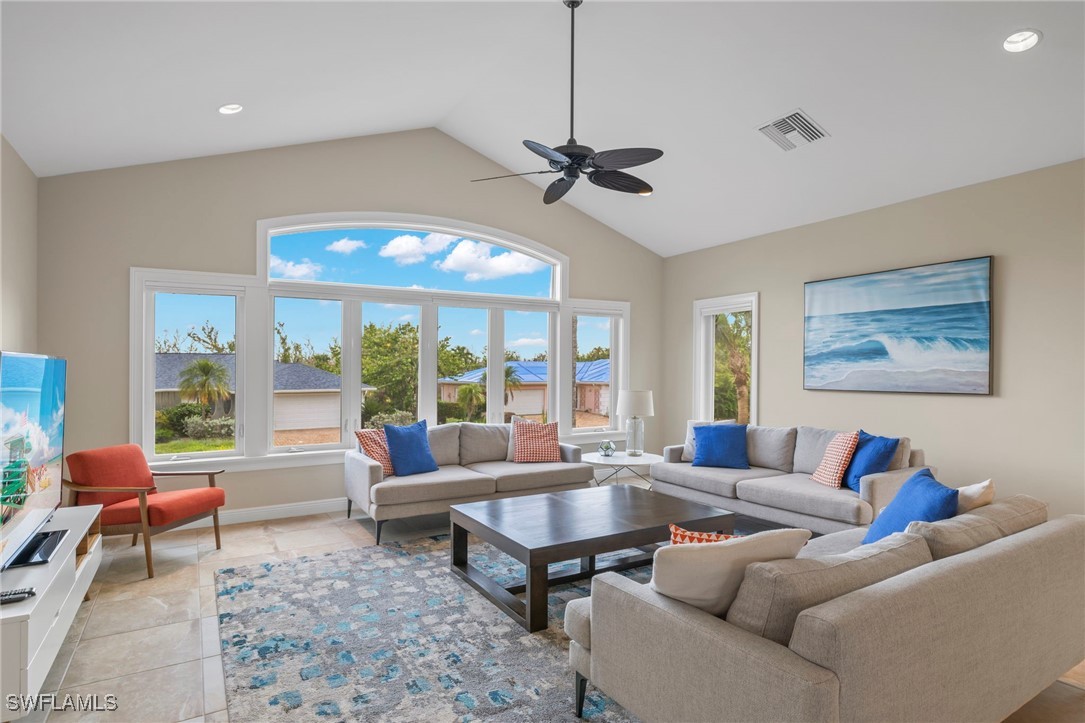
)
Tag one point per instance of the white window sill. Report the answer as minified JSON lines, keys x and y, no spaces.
{"x":582,"y":438}
{"x":277,"y":460}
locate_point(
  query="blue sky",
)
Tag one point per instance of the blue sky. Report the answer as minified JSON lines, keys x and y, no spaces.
{"x":954,"y":282}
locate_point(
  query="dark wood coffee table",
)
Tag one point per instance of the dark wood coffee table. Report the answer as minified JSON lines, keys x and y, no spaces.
{"x":540,"y":529}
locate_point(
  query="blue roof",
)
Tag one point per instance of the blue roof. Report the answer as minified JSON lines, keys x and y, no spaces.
{"x":538,"y":372}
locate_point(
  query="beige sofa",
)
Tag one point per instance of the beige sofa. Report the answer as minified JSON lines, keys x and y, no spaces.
{"x":473,"y":464}
{"x":986,"y":614}
{"x":777,"y":486}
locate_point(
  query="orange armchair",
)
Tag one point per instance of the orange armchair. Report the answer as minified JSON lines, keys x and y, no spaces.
{"x":119,"y":479}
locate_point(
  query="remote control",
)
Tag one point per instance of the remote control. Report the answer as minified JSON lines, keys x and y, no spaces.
{"x":14,"y":596}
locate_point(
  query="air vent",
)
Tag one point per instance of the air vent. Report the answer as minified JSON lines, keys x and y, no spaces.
{"x":793,"y":130}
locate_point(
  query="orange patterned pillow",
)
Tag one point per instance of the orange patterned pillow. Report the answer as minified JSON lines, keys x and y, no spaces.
{"x":685,"y":537}
{"x":375,"y":446}
{"x":535,"y":442}
{"x":836,"y":460}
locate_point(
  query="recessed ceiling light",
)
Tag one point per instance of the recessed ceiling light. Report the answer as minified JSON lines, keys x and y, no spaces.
{"x":1022,"y":40}
{"x":230,"y":108}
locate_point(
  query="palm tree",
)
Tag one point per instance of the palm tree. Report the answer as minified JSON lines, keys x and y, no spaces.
{"x":471,"y":396}
{"x":206,"y":382}
{"x":512,"y":382}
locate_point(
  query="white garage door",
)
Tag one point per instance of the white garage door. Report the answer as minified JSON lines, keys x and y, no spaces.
{"x":307,"y":410}
{"x":527,"y":401}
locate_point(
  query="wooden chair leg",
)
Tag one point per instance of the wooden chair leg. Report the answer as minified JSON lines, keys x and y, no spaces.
{"x":218,"y":537}
{"x":144,"y":519}
{"x":135,"y":538}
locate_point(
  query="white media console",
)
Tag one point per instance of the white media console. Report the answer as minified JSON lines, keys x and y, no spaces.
{"x":33,"y":630}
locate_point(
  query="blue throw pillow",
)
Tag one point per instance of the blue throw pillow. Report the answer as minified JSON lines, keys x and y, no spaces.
{"x":921,"y":498}
{"x":409,"y":449}
{"x":872,"y":455}
{"x":720,"y":445}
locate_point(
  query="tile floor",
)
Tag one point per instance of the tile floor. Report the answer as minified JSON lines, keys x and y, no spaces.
{"x":154,"y":643}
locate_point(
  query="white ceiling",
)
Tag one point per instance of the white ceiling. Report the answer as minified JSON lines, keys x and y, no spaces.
{"x":918,"y":97}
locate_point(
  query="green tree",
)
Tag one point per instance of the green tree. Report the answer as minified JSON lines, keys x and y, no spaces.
{"x":596,"y":354}
{"x":390,"y":362}
{"x":540,"y":357}
{"x":206,"y":382}
{"x":472,"y":397}
{"x":512,"y":383}
{"x":452,"y":361}
{"x":734,"y":334}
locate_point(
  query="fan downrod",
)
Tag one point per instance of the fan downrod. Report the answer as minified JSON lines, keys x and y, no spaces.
{"x":573,"y":4}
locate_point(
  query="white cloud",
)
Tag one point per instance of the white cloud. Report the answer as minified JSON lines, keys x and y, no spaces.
{"x":304,"y":269}
{"x":527,"y":341}
{"x":346,"y":246}
{"x":410,"y":249}
{"x":407,"y":317}
{"x":476,"y":260}
{"x":476,"y":332}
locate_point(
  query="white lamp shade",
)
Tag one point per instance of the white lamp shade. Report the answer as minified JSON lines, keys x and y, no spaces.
{"x":635,"y":403}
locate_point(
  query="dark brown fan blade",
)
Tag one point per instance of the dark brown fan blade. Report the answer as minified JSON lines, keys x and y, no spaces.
{"x":557,"y":189}
{"x":548,"y":153}
{"x":623,"y":158}
{"x":513,"y":175}
{"x":619,"y":181}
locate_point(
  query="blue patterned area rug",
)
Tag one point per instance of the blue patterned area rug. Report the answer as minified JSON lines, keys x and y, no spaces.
{"x":391,"y":634}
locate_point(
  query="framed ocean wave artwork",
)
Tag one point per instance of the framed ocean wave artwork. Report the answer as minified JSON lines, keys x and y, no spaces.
{"x":923,"y":329}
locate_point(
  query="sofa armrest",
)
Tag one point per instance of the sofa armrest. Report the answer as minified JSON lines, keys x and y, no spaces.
{"x":571,"y":453}
{"x":360,"y":474}
{"x":665,"y":660}
{"x":879,"y":489}
{"x":673,"y":453}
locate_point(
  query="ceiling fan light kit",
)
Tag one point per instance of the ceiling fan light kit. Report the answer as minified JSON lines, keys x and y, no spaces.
{"x":573,"y":160}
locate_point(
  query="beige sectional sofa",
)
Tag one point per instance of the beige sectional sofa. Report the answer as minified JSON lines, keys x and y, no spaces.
{"x":970,"y":618}
{"x":474,"y":463}
{"x":777,"y":486}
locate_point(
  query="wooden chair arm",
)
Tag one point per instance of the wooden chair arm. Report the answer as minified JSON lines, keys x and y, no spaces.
{"x":87,"y":488}
{"x":210,"y":474}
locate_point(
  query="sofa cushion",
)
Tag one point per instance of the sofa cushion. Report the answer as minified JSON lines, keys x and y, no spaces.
{"x":681,"y":536}
{"x":708,"y":576}
{"x":955,"y":535}
{"x":774,"y":593}
{"x":903,"y":455}
{"x":922,"y":497}
{"x":835,"y":543}
{"x":772,"y":447}
{"x":798,"y":493}
{"x":873,"y":455}
{"x":513,"y":476}
{"x":447,"y":483}
{"x":972,"y":497}
{"x":375,"y":446}
{"x":714,"y":480}
{"x":1014,"y":514}
{"x":836,"y":460}
{"x":810,"y":444}
{"x":720,"y":445}
{"x":483,"y":442}
{"x":535,"y":442}
{"x":444,"y":443}
{"x":578,"y":621}
{"x":690,"y":446}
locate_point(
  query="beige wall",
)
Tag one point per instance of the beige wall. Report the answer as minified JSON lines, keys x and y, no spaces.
{"x":1029,"y":434}
{"x":201,"y":214}
{"x":18,"y":253}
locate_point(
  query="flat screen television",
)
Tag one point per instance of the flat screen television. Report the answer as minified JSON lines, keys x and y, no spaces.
{"x":31,"y":446}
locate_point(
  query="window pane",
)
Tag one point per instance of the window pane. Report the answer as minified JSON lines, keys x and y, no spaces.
{"x":389,"y":364}
{"x":307,"y":400}
{"x":731,"y":388}
{"x":591,"y":383}
{"x":194,"y":367}
{"x":407,"y":259}
{"x":527,"y":374}
{"x":461,"y":364}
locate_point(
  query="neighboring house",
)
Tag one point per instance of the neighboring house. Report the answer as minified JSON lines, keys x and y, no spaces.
{"x":305,"y":397}
{"x":592,"y":386}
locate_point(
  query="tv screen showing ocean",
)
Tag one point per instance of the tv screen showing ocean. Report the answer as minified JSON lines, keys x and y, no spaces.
{"x":940,"y":347}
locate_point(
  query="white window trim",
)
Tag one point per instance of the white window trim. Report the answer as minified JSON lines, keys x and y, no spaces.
{"x":704,"y":349}
{"x":254,"y":338}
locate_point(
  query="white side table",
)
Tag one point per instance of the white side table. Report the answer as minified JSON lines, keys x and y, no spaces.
{"x":620,"y":461}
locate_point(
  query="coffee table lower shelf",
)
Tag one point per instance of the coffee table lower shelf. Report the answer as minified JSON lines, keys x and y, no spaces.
{"x":532,"y":610}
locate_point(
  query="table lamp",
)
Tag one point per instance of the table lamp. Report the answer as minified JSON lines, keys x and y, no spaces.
{"x":634,"y":406}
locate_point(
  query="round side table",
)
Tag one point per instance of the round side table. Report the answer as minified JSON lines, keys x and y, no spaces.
{"x":621,"y":461}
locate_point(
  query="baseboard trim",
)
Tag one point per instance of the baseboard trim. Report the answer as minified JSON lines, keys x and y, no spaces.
{"x":273,"y":512}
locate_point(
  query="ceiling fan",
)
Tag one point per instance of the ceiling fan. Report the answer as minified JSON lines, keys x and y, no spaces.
{"x":573,"y":160}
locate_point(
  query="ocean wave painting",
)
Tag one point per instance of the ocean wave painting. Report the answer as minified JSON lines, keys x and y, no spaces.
{"x":921,"y":329}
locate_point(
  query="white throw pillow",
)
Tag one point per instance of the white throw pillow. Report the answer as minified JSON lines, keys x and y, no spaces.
{"x":980,"y":494}
{"x":691,"y":441}
{"x":707,"y":575}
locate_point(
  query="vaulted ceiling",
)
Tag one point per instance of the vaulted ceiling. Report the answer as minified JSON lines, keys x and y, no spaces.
{"x":917,"y":97}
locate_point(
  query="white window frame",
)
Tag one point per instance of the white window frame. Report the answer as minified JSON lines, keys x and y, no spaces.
{"x":704,"y":338}
{"x":255,"y":339}
{"x":618,"y":312}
